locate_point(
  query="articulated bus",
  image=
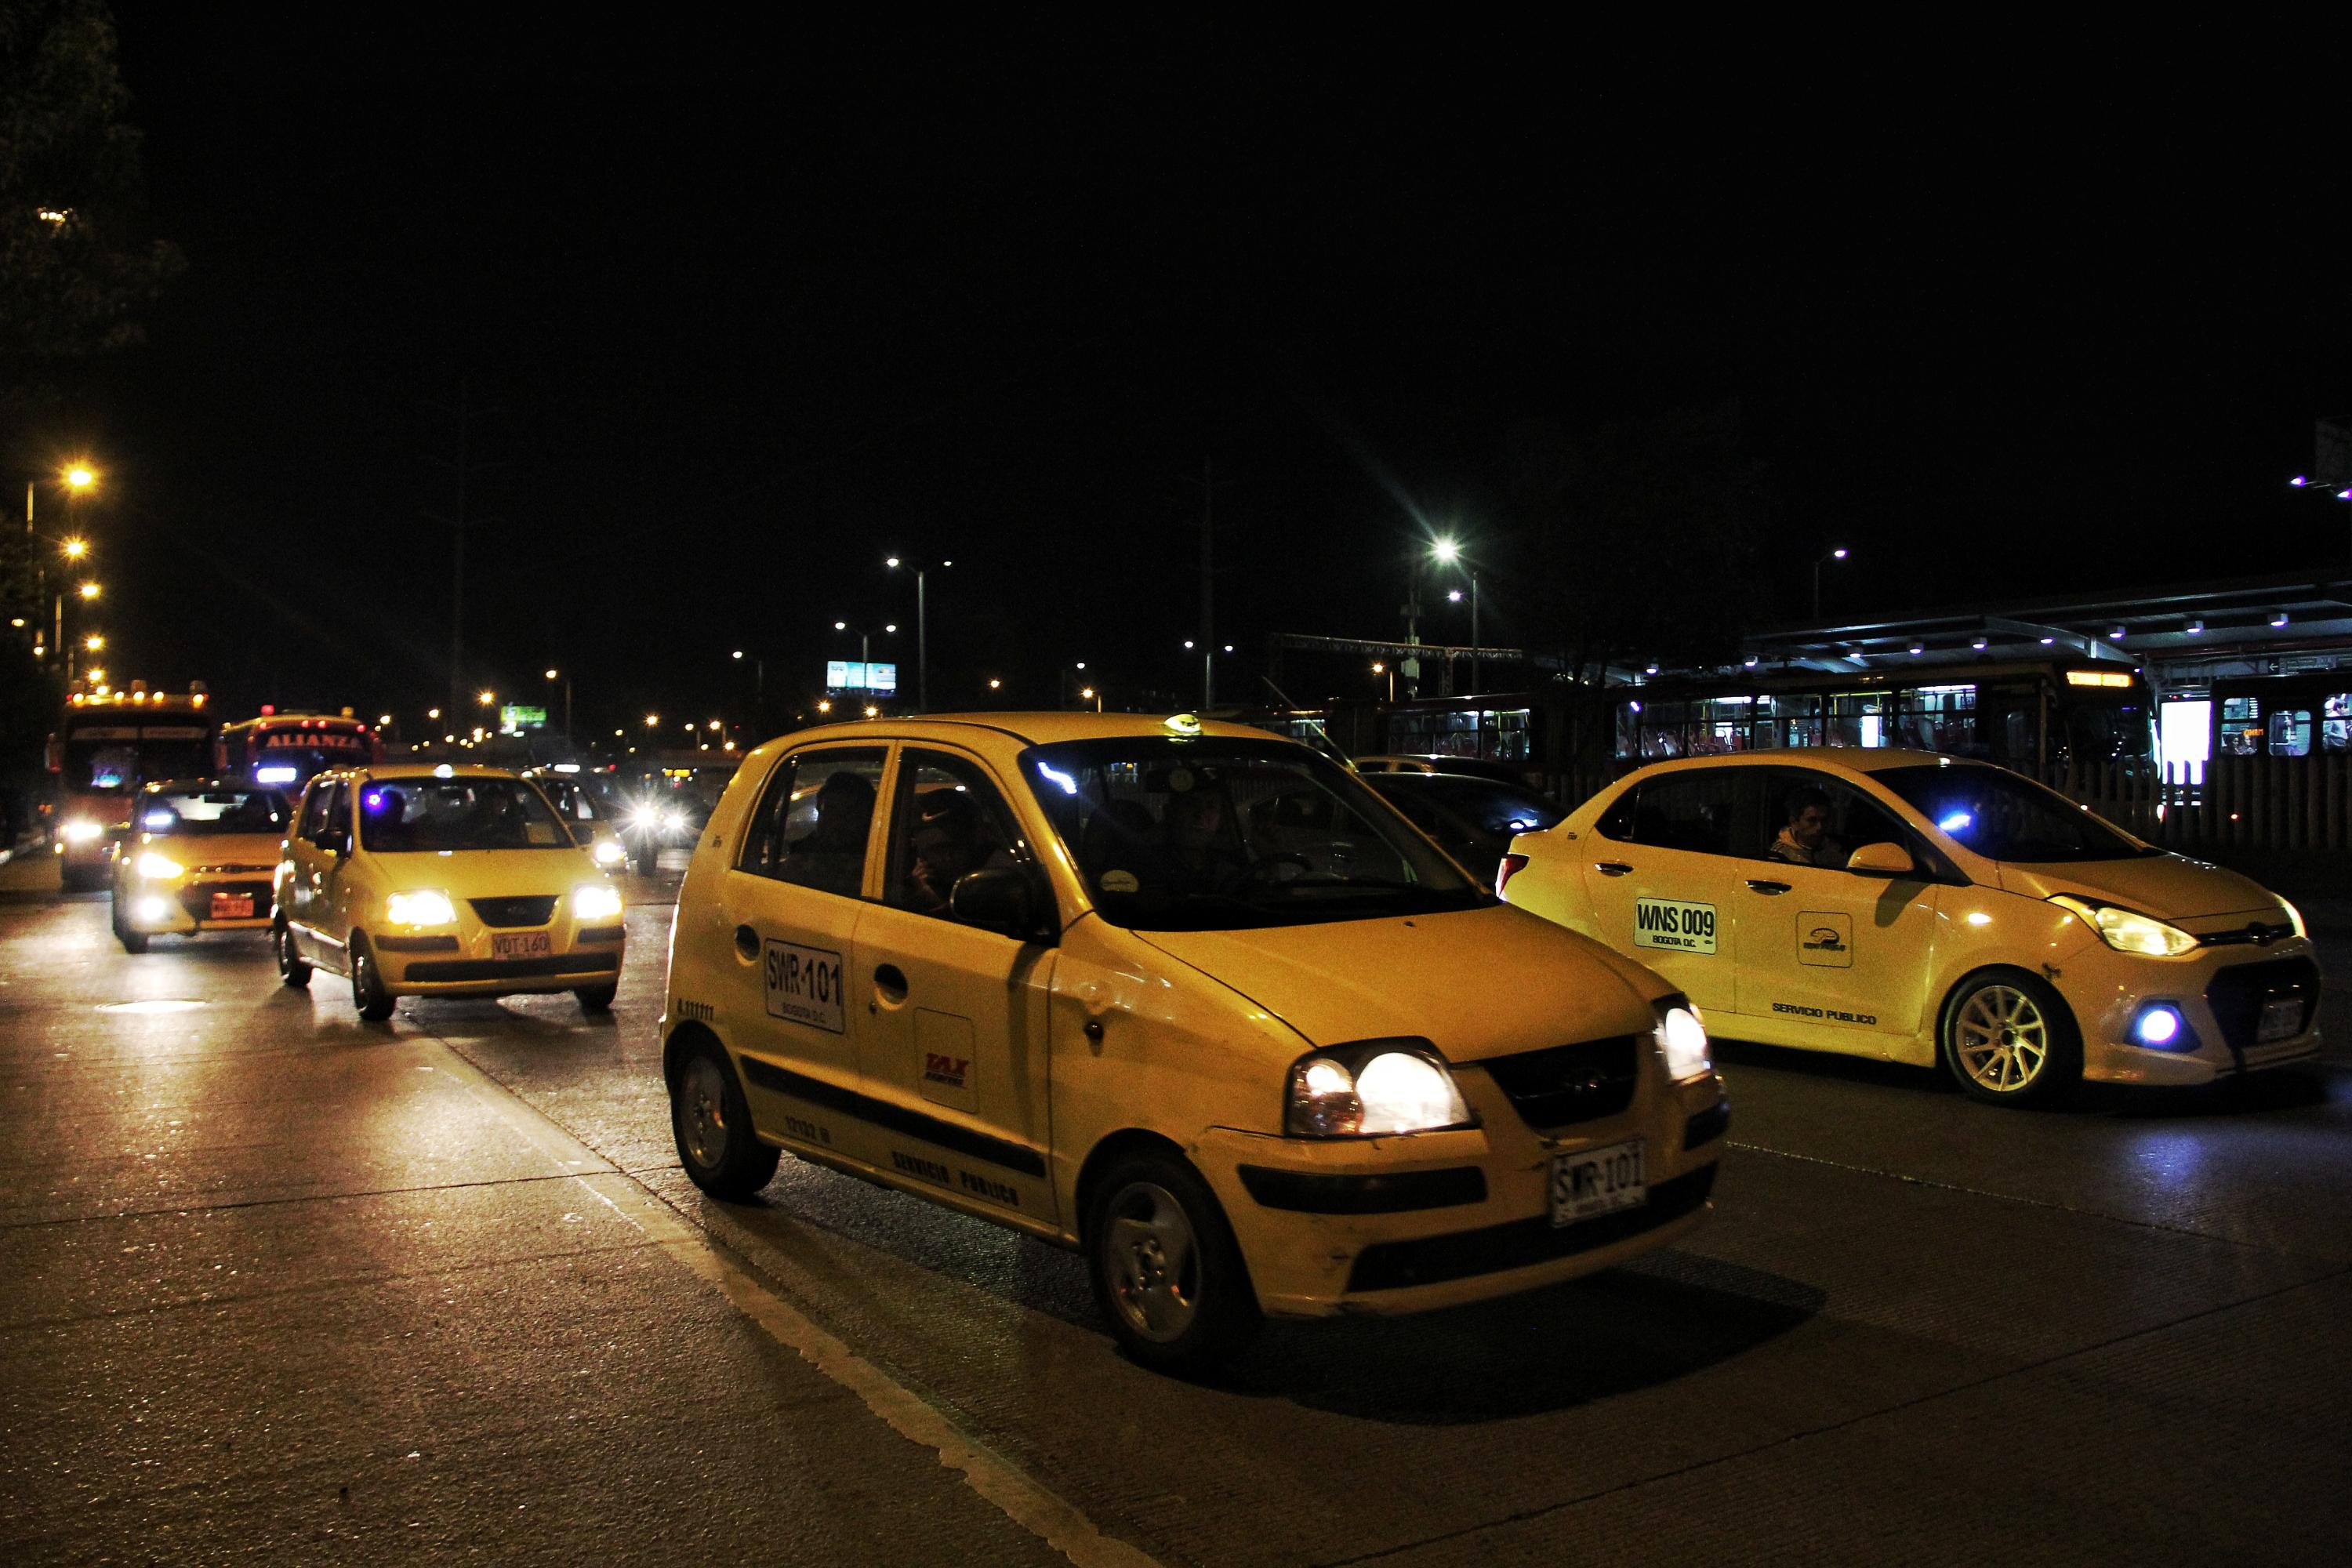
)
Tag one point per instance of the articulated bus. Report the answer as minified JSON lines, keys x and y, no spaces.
{"x":282,"y":751}
{"x":2039,"y":717}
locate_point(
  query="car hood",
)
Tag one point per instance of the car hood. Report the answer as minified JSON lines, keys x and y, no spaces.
{"x":2169,"y":887}
{"x":258,"y":850}
{"x":490,"y":873}
{"x":1475,"y":983}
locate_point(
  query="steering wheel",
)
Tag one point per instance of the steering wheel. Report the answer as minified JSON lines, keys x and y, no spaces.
{"x":1278,"y":869}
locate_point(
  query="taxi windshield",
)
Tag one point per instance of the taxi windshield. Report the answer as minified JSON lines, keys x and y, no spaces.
{"x":202,"y":813}
{"x":1183,"y":834}
{"x":427,"y":814}
{"x":2003,"y":817}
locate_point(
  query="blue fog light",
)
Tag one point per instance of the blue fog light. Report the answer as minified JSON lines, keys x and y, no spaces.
{"x":2163,"y":1028}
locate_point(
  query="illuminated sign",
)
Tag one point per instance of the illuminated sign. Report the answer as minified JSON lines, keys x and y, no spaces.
{"x":515,"y":717}
{"x":2098,"y":677}
{"x":850,"y":675}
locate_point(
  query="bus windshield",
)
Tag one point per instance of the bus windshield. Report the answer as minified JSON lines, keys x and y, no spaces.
{"x":117,"y":766}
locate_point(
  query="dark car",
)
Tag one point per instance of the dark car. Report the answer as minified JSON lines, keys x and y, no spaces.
{"x":1472,"y":819}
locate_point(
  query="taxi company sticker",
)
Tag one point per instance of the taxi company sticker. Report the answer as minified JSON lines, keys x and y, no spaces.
{"x":1118,"y":882}
{"x":1825,"y":938}
{"x":804,"y":984}
{"x":1672,"y":924}
{"x":1180,"y":780}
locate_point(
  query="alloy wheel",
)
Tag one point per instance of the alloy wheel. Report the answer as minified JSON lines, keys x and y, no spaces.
{"x":1154,"y":1262}
{"x":2001,"y":1039}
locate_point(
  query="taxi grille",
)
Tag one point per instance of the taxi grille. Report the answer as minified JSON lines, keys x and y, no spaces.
{"x":1566,"y":1084}
{"x":2237,"y":994}
{"x":524,"y":911}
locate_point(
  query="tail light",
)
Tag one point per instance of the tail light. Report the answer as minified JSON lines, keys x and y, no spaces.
{"x":1511,"y":867}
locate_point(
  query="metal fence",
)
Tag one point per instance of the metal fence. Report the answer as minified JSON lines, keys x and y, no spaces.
{"x":2243,"y":803}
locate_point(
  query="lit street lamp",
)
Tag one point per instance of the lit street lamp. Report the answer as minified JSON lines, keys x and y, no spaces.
{"x":759,"y":684}
{"x":557,"y":675}
{"x":1837,"y":554}
{"x":1449,"y":551}
{"x":90,"y":590}
{"x":922,"y":627}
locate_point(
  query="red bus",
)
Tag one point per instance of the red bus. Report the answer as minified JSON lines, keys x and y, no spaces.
{"x":282,"y":751}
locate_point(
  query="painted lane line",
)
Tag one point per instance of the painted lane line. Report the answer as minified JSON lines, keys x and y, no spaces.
{"x":1004,"y":1484}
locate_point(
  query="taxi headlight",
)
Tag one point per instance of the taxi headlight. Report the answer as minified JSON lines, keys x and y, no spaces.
{"x":608,"y":853}
{"x":1372,"y":1090}
{"x":2293,"y":917}
{"x":157,"y":867}
{"x":79,"y":830}
{"x":674,"y":820}
{"x":1682,"y":1040}
{"x":595,"y":901}
{"x":2127,"y":931}
{"x":427,"y":907}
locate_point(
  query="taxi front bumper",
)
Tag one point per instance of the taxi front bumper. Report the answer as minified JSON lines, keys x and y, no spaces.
{"x":1395,"y":1226}
{"x":444,"y":964}
{"x":182,"y":908}
{"x":2224,"y":996}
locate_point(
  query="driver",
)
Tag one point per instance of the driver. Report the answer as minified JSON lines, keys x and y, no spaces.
{"x":1192,"y":842}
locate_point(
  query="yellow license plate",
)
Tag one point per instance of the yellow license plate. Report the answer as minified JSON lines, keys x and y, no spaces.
{"x":232,"y":907}
{"x":521,"y":944}
{"x":1598,"y":1180}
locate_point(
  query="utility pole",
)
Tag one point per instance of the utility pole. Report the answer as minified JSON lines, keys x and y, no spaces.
{"x":1208,"y":589}
{"x":465,"y":415}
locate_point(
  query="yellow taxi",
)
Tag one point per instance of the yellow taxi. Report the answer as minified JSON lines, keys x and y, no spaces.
{"x":1916,"y":907}
{"x":201,"y":855}
{"x":1185,"y":996}
{"x":443,"y":881}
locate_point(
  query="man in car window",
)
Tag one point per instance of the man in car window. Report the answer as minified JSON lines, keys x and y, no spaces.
{"x":944,"y":846}
{"x":1192,"y":842}
{"x":1806,"y":840}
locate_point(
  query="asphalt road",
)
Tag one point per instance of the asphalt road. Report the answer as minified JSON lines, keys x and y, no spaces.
{"x":281,"y":1285}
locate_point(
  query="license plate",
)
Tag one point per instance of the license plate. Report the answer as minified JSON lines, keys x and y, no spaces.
{"x":1598,"y":1180}
{"x":2281,"y":1020}
{"x":232,"y":907}
{"x":521,"y":944}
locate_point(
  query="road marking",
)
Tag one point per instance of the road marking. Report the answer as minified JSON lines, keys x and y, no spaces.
{"x":1013,"y":1490}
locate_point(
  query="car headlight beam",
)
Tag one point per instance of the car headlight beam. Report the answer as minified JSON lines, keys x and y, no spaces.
{"x":424,"y":908}
{"x":2128,"y":931}
{"x":1372,"y":1089}
{"x":80,"y":830}
{"x":608,"y":853}
{"x":154,"y":867}
{"x":595,"y":901}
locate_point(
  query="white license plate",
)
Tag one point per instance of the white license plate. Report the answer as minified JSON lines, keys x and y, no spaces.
{"x":2281,"y":1020}
{"x":521,"y":944}
{"x":232,"y":907}
{"x":1598,"y":1180}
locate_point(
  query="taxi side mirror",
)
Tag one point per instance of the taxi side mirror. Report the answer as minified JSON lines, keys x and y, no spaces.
{"x":1882,"y":859}
{"x":1002,"y":897}
{"x":336,"y":841}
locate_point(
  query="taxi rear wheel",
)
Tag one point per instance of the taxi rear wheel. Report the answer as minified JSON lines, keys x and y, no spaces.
{"x":292,"y":967}
{"x":1167,"y":1271}
{"x":368,"y":993}
{"x":716,"y":1144}
{"x":2009,"y":1039}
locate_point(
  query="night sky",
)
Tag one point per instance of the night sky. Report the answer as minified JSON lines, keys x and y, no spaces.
{"x":752,"y":308}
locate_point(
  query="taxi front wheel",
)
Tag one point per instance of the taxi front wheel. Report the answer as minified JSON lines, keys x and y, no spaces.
{"x":368,"y":993}
{"x":2009,"y":1039}
{"x":292,"y":967}
{"x":597,"y":998}
{"x":721,"y":1153}
{"x":1167,"y":1271}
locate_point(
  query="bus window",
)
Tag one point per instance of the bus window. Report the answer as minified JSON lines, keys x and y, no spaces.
{"x":2290,"y":733}
{"x":1858,"y":719}
{"x":2241,"y":727}
{"x":2336,"y":722}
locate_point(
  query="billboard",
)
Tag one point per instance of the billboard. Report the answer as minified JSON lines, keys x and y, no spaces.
{"x":850,"y":675}
{"x":515,"y":718}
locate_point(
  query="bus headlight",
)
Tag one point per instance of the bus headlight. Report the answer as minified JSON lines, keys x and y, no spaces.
{"x":427,"y":907}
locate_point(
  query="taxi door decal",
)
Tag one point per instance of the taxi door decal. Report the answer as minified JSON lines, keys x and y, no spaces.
{"x":944,"y":1059}
{"x":1825,"y":938}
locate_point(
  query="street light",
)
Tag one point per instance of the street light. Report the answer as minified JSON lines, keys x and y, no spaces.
{"x":1448,"y":552}
{"x":865,"y":660}
{"x":923,"y":630}
{"x":1379,"y":667}
{"x":758,"y":685}
{"x":90,"y":590}
{"x":1837,"y":554}
{"x":486,"y":698}
{"x":93,"y":642}
{"x":558,"y":675}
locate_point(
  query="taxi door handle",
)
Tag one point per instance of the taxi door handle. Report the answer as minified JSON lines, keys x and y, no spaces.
{"x":1761,"y":885}
{"x":747,"y":943}
{"x":890,"y":982}
{"x":1612,"y":867}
